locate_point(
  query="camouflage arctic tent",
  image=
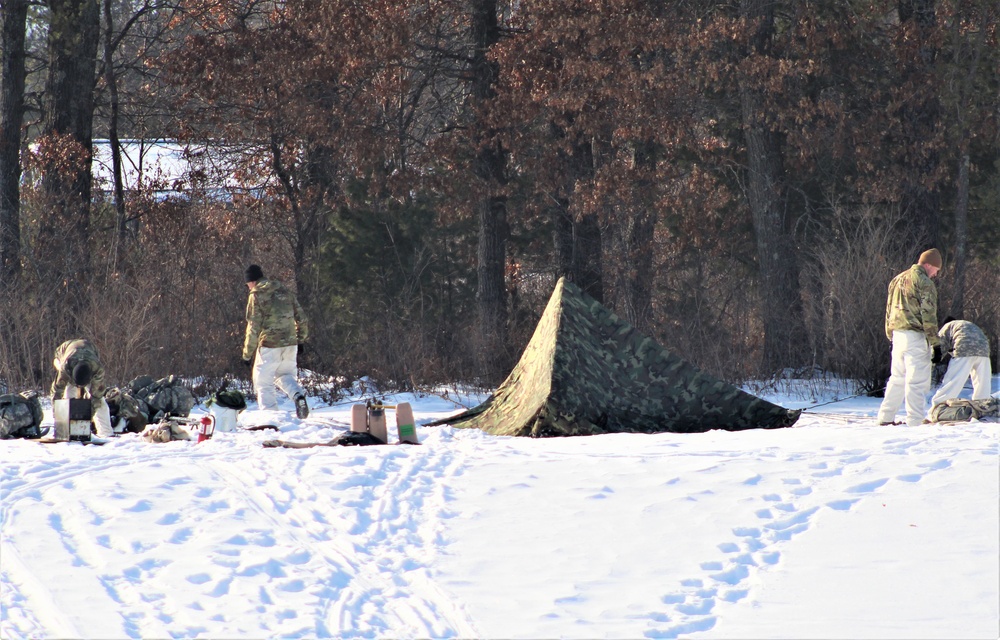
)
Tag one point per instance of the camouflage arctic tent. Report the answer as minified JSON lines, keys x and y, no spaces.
{"x":587,"y":371}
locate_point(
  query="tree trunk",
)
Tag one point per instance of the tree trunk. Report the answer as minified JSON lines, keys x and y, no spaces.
{"x":490,"y":255}
{"x":784,"y":324}
{"x":116,"y":153}
{"x":13,"y":16}
{"x":577,"y":242}
{"x":578,"y":251}
{"x":920,"y":116}
{"x":633,"y":238}
{"x":961,"y":236}
{"x":491,"y":211}
{"x":588,"y":257}
{"x":74,"y":32}
{"x":562,"y":236}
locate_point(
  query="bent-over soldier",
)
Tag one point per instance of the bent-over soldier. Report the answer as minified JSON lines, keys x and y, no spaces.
{"x":78,"y":368}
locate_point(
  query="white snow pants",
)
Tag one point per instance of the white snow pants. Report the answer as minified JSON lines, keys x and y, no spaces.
{"x":102,"y":417}
{"x":959,"y":370}
{"x":275,"y":366}
{"x":910,"y":378}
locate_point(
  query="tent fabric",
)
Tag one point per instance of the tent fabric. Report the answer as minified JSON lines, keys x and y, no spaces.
{"x":586,"y":371}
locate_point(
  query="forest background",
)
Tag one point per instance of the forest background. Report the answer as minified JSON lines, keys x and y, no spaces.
{"x":739,"y":180}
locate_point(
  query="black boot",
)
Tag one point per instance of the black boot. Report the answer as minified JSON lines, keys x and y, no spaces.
{"x":301,"y":408}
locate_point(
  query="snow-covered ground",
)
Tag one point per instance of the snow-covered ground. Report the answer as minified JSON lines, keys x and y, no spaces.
{"x":835,"y":528}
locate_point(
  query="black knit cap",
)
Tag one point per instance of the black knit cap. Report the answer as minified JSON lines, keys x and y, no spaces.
{"x":82,"y":374}
{"x":254,"y":273}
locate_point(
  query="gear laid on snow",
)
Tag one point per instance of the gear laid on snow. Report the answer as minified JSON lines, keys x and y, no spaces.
{"x":164,"y":432}
{"x":961,"y":410}
{"x":349,"y":439}
{"x":128,"y":413}
{"x":165,"y":397}
{"x":20,"y":415}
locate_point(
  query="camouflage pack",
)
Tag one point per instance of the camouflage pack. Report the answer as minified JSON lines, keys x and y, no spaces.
{"x":20,"y":414}
{"x":124,"y":406}
{"x":961,"y":410}
{"x":164,"y":397}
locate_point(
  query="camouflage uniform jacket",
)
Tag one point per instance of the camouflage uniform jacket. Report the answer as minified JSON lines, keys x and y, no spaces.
{"x":962,"y":339}
{"x":68,"y":355}
{"x":274,"y":318}
{"x":912,"y":304}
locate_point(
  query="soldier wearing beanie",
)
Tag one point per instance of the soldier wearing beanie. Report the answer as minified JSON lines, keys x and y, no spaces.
{"x":276,"y":326}
{"x":911,"y":325}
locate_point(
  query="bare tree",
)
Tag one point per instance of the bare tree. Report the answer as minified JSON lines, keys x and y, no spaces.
{"x":784,"y":322}
{"x":489,"y":168}
{"x":13,"y":16}
{"x":74,"y":32}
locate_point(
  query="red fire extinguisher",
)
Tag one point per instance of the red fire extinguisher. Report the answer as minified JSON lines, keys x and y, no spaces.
{"x":207,"y":428}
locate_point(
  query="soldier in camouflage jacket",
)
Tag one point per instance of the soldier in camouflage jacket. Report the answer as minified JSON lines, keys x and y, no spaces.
{"x":911,"y":326}
{"x":970,"y":357}
{"x":276,"y":325}
{"x":78,"y":367}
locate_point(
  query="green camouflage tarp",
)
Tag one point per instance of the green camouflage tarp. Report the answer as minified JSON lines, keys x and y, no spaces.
{"x":587,"y":371}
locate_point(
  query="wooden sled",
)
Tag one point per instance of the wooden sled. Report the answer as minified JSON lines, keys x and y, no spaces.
{"x":370,"y":418}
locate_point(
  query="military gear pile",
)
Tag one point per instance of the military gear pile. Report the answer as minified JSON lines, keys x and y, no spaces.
{"x":132,"y":414}
{"x":164,"y":397}
{"x":961,"y":410}
{"x":145,"y":400}
{"x":20,"y":415}
{"x":586,"y":371}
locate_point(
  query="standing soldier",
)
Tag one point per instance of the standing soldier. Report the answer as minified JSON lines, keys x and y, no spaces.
{"x":78,"y":367}
{"x":276,"y":326}
{"x":970,"y":356}
{"x":911,"y":326}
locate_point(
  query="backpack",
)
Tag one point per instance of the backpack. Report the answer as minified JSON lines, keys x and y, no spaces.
{"x":164,"y":397}
{"x":124,"y":406}
{"x":960,"y":410}
{"x":230,"y":399}
{"x":20,"y":415}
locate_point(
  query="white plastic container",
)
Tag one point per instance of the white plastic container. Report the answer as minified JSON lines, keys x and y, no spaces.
{"x":225,"y":418}
{"x":60,"y":414}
